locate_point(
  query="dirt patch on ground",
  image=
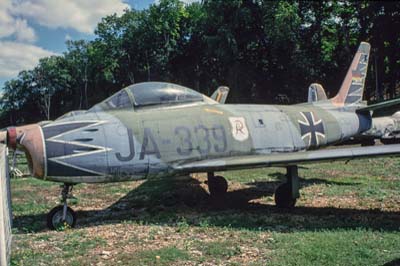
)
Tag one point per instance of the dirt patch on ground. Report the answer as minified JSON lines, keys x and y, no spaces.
{"x":177,"y":223}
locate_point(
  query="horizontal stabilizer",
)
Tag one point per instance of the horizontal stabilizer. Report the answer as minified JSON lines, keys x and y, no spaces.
{"x":288,"y":158}
{"x":316,"y":93}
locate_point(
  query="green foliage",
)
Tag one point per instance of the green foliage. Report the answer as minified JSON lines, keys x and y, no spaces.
{"x":258,"y":48}
{"x":350,"y":247}
{"x":219,"y":250}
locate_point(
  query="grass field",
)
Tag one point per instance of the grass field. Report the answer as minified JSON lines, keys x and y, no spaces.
{"x":348,"y":214}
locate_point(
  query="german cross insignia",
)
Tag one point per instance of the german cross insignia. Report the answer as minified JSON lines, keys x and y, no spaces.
{"x":312,"y":130}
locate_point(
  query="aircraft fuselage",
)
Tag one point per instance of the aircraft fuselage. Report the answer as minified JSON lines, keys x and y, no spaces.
{"x":124,"y":145}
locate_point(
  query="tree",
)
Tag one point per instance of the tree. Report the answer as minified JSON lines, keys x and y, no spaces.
{"x":258,"y":48}
{"x":49,"y":78}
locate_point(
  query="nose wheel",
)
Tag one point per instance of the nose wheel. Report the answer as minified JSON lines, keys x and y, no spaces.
{"x":62,"y":216}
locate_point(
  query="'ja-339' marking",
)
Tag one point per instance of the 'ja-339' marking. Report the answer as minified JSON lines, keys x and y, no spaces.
{"x":204,"y":135}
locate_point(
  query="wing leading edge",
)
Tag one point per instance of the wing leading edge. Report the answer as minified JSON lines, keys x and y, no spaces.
{"x":286,"y":159}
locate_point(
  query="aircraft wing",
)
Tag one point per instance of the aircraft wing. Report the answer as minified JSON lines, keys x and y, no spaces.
{"x":285,"y":159}
{"x":377,"y":106}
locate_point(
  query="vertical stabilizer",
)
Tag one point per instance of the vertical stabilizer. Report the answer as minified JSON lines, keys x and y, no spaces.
{"x":352,"y":89}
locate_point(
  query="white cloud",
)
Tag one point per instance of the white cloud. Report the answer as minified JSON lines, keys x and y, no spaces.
{"x":82,"y":16}
{"x":16,"y":34}
{"x":23,"y":32}
{"x":15,"y":57}
{"x":187,"y":2}
{"x":15,"y":27}
{"x":6,"y":20}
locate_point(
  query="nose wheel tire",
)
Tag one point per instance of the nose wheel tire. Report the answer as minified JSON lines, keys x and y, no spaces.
{"x":56,"y":221}
{"x":62,"y":217}
{"x":283,"y":196}
{"x":217,"y":185}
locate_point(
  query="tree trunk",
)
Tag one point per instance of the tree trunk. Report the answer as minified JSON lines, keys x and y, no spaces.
{"x":86,"y":85}
{"x":48,"y":107}
{"x":148,"y":67}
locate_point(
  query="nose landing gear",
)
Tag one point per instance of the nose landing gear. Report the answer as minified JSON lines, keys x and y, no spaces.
{"x":62,"y":215}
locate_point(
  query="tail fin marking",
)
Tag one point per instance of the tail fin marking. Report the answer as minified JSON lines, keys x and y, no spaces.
{"x":352,"y":89}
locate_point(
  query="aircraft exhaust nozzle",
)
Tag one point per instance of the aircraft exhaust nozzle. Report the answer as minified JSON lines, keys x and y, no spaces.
{"x":29,"y":139}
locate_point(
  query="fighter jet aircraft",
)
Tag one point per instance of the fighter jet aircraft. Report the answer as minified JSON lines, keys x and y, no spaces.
{"x":157,"y":129}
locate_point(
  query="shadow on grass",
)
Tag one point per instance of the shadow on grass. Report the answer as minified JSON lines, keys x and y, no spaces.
{"x":173,"y":202}
{"x":395,"y":262}
{"x":313,"y":181}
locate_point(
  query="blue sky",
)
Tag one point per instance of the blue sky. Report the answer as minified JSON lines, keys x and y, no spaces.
{"x":54,"y":39}
{"x":31,"y":29}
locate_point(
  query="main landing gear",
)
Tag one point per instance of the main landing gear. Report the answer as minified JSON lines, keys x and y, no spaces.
{"x":62,"y":216}
{"x":217,"y":185}
{"x":287,"y":193}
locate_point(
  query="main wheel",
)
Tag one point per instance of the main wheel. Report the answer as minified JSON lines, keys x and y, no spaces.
{"x":368,"y":142}
{"x":217,"y":185}
{"x":283,"y":196}
{"x":55,"y":218}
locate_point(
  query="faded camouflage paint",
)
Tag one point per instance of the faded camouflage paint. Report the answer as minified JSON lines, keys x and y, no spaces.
{"x":168,"y":131}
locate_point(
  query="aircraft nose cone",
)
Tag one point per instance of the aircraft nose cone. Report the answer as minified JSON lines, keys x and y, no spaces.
{"x":11,"y":138}
{"x":29,"y":139}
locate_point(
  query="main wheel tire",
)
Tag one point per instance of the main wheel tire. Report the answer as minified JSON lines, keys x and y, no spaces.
{"x":217,"y":186}
{"x":283,"y":196}
{"x":55,"y":218}
{"x":368,"y":142}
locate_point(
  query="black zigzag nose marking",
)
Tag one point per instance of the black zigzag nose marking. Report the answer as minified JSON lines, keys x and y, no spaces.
{"x":64,"y":144}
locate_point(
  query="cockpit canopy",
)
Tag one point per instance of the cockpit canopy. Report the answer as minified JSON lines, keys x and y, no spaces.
{"x":149,"y":94}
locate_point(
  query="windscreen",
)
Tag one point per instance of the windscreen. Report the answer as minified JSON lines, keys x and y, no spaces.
{"x":154,"y":93}
{"x":119,"y":100}
{"x":149,"y":93}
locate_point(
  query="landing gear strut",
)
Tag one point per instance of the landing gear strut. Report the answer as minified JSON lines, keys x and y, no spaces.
{"x":62,"y":215}
{"x":217,"y":185}
{"x":287,"y":193}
